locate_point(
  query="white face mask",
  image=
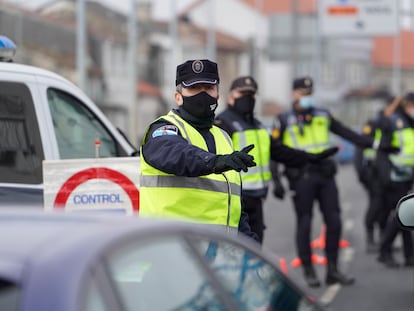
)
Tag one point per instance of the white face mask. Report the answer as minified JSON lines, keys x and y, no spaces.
{"x":306,"y":102}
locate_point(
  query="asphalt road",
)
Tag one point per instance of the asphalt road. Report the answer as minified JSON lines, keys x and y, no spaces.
{"x":376,"y":287}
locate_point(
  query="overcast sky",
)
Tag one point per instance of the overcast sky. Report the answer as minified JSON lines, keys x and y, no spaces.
{"x":161,"y":8}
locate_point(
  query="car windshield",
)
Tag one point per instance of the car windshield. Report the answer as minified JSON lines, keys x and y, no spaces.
{"x":254,"y":283}
{"x":162,"y":275}
{"x":198,"y":273}
{"x":9,"y":295}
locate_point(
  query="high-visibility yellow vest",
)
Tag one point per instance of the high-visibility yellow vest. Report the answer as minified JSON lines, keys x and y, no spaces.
{"x":210,"y":199}
{"x":256,"y":177}
{"x":403,"y":138}
{"x":370,"y":153}
{"x":311,"y":136}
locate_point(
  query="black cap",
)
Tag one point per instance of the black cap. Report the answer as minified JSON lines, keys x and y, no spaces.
{"x":197,"y":71}
{"x":304,"y":83}
{"x":409,"y":97}
{"x":243,"y":84}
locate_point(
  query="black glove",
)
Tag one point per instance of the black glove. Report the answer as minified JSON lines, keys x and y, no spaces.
{"x":316,"y":157}
{"x":238,"y":160}
{"x":389,"y":149}
{"x":278,"y":190}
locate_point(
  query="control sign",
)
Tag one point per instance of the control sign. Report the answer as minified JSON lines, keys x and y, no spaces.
{"x":103,"y":184}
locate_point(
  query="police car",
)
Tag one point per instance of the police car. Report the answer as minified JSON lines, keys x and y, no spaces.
{"x":44,"y":117}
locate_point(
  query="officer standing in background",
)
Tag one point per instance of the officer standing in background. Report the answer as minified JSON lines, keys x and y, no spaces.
{"x":307,"y":127}
{"x":189,"y":170}
{"x":239,"y":122}
{"x":366,"y":166}
{"x":396,"y":173}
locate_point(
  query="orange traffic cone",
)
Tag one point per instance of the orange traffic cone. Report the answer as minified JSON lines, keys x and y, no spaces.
{"x":344,"y":243}
{"x":320,"y":242}
{"x":318,"y":259}
{"x":296,"y":262}
{"x":283,"y":266}
{"x":315,"y":258}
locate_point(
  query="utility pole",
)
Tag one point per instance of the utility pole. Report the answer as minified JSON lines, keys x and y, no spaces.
{"x":211,"y":35}
{"x":257,"y":41}
{"x":173,"y":40}
{"x":396,"y":69}
{"x":317,"y":59}
{"x":295,"y":38}
{"x":81,"y":44}
{"x":132,"y":66}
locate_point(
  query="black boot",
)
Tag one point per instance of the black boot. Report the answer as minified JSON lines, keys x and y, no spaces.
{"x":372,"y":247}
{"x":388,"y":260}
{"x":334,"y":276}
{"x":310,"y":276}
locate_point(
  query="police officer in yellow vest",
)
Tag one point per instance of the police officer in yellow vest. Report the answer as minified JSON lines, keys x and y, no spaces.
{"x":239,"y":122}
{"x":189,"y":170}
{"x":396,"y":173}
{"x":365,"y":164}
{"x":307,"y":127}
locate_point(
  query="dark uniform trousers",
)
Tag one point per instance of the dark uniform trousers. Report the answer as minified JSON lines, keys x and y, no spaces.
{"x":377,"y":212}
{"x":253,"y":206}
{"x":395,"y":191}
{"x":311,"y":187}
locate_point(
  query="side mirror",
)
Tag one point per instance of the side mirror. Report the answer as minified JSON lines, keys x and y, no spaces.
{"x":405,"y":211}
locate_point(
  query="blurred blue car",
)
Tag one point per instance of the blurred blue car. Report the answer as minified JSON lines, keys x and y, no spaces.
{"x":346,"y":151}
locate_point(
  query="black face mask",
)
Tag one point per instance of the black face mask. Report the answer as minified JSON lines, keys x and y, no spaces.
{"x":201,"y":105}
{"x":245,"y":104}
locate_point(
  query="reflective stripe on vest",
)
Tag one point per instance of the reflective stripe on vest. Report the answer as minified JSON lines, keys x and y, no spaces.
{"x":404,"y":139}
{"x":256,"y":177}
{"x":210,"y":199}
{"x":312,"y":137}
{"x":370,"y":153}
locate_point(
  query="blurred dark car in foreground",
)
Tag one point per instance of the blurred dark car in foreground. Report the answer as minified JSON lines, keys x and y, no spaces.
{"x":74,"y":261}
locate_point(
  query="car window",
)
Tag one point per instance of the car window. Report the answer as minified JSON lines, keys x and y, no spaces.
{"x":9,"y":295}
{"x":94,"y":299}
{"x":254,"y":283}
{"x":77,"y":128}
{"x":162,"y":274}
{"x":21,"y":151}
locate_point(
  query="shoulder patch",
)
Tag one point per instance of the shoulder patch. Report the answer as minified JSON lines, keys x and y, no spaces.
{"x":170,"y":130}
{"x":367,"y":130}
{"x":275,"y":133}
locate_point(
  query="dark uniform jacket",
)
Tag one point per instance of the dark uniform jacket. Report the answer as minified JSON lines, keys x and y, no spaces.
{"x":366,"y":166}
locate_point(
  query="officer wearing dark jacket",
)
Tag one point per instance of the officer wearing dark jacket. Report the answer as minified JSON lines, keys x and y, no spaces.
{"x":239,"y":122}
{"x":366,"y":167}
{"x":396,"y":173}
{"x":307,"y":127}
{"x":189,"y":169}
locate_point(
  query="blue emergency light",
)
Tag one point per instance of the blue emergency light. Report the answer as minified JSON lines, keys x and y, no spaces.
{"x":7,"y":49}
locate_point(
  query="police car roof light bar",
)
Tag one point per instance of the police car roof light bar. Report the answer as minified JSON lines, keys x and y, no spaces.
{"x":7,"y":49}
